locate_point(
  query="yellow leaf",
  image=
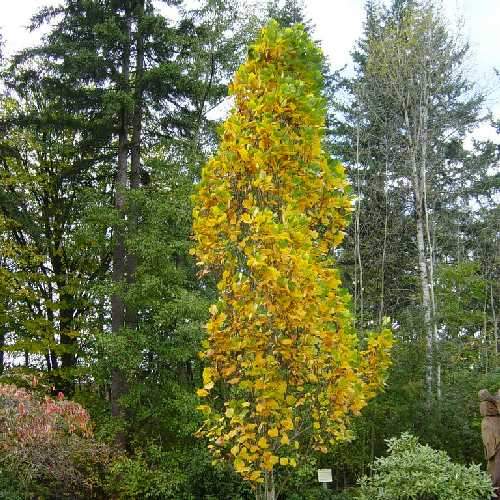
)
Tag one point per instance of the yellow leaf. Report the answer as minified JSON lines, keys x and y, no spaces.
{"x":248,"y":203}
{"x":255,"y":475}
{"x":262,"y":442}
{"x":239,"y":465}
{"x":207,"y":375}
{"x":273,"y":432}
{"x":229,"y":370}
{"x":202,"y":393}
{"x":243,"y":153}
{"x":246,"y":218}
{"x":283,"y":461}
{"x":284,"y":439}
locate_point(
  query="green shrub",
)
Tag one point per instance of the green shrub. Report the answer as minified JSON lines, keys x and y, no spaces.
{"x":174,"y":474}
{"x":10,"y":488}
{"x":418,"y":472}
{"x":318,"y":493}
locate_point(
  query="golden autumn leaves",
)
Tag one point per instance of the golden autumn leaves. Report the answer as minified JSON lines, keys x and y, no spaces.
{"x":284,"y":371}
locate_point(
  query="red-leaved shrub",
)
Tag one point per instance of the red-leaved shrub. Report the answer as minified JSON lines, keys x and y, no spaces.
{"x":48,"y":446}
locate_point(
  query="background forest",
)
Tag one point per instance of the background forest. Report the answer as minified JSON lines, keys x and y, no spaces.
{"x":104,"y":127}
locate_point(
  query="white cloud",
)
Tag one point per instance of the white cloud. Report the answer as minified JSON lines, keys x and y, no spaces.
{"x":338,"y":25}
{"x":14,"y":19}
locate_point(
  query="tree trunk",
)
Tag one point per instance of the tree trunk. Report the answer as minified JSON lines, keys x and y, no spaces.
{"x":54,"y":363}
{"x":384,"y":244}
{"x":3,"y":328}
{"x":2,"y":344}
{"x":52,"y":360}
{"x":495,"y":325}
{"x":429,"y":250}
{"x":268,"y":489}
{"x":424,"y":279}
{"x":417,"y":137}
{"x":485,"y":349}
{"x":66,"y":317}
{"x":66,"y":312}
{"x":118,"y":380}
{"x":358,"y":263}
{"x":131,"y":318}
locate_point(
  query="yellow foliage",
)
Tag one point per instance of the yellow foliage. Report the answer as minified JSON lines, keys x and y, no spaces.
{"x":270,"y":209}
{"x":273,"y":432}
{"x":263,"y":443}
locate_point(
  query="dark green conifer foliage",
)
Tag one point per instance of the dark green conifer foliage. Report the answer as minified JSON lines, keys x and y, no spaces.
{"x":288,"y":13}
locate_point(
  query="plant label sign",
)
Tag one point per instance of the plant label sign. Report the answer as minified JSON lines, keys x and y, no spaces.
{"x":325,"y":475}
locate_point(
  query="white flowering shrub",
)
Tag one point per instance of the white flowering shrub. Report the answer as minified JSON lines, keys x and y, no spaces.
{"x":413,"y":471}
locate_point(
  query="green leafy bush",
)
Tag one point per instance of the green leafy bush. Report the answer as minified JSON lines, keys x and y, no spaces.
{"x":418,"y":472}
{"x":319,"y":493}
{"x":10,"y":488}
{"x":175,"y":474}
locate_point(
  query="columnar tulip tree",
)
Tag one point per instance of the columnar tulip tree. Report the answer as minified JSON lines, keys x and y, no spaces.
{"x":284,"y":371}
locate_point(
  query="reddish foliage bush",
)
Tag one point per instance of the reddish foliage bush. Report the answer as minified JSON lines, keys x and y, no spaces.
{"x":25,"y":417}
{"x":49,"y":447}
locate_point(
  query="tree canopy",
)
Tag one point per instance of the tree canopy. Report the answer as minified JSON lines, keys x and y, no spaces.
{"x":185,"y":177}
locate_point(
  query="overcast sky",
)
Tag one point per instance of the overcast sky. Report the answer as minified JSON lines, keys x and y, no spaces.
{"x":338,"y":26}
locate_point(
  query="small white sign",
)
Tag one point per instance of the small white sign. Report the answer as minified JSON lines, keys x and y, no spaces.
{"x":325,"y":475}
